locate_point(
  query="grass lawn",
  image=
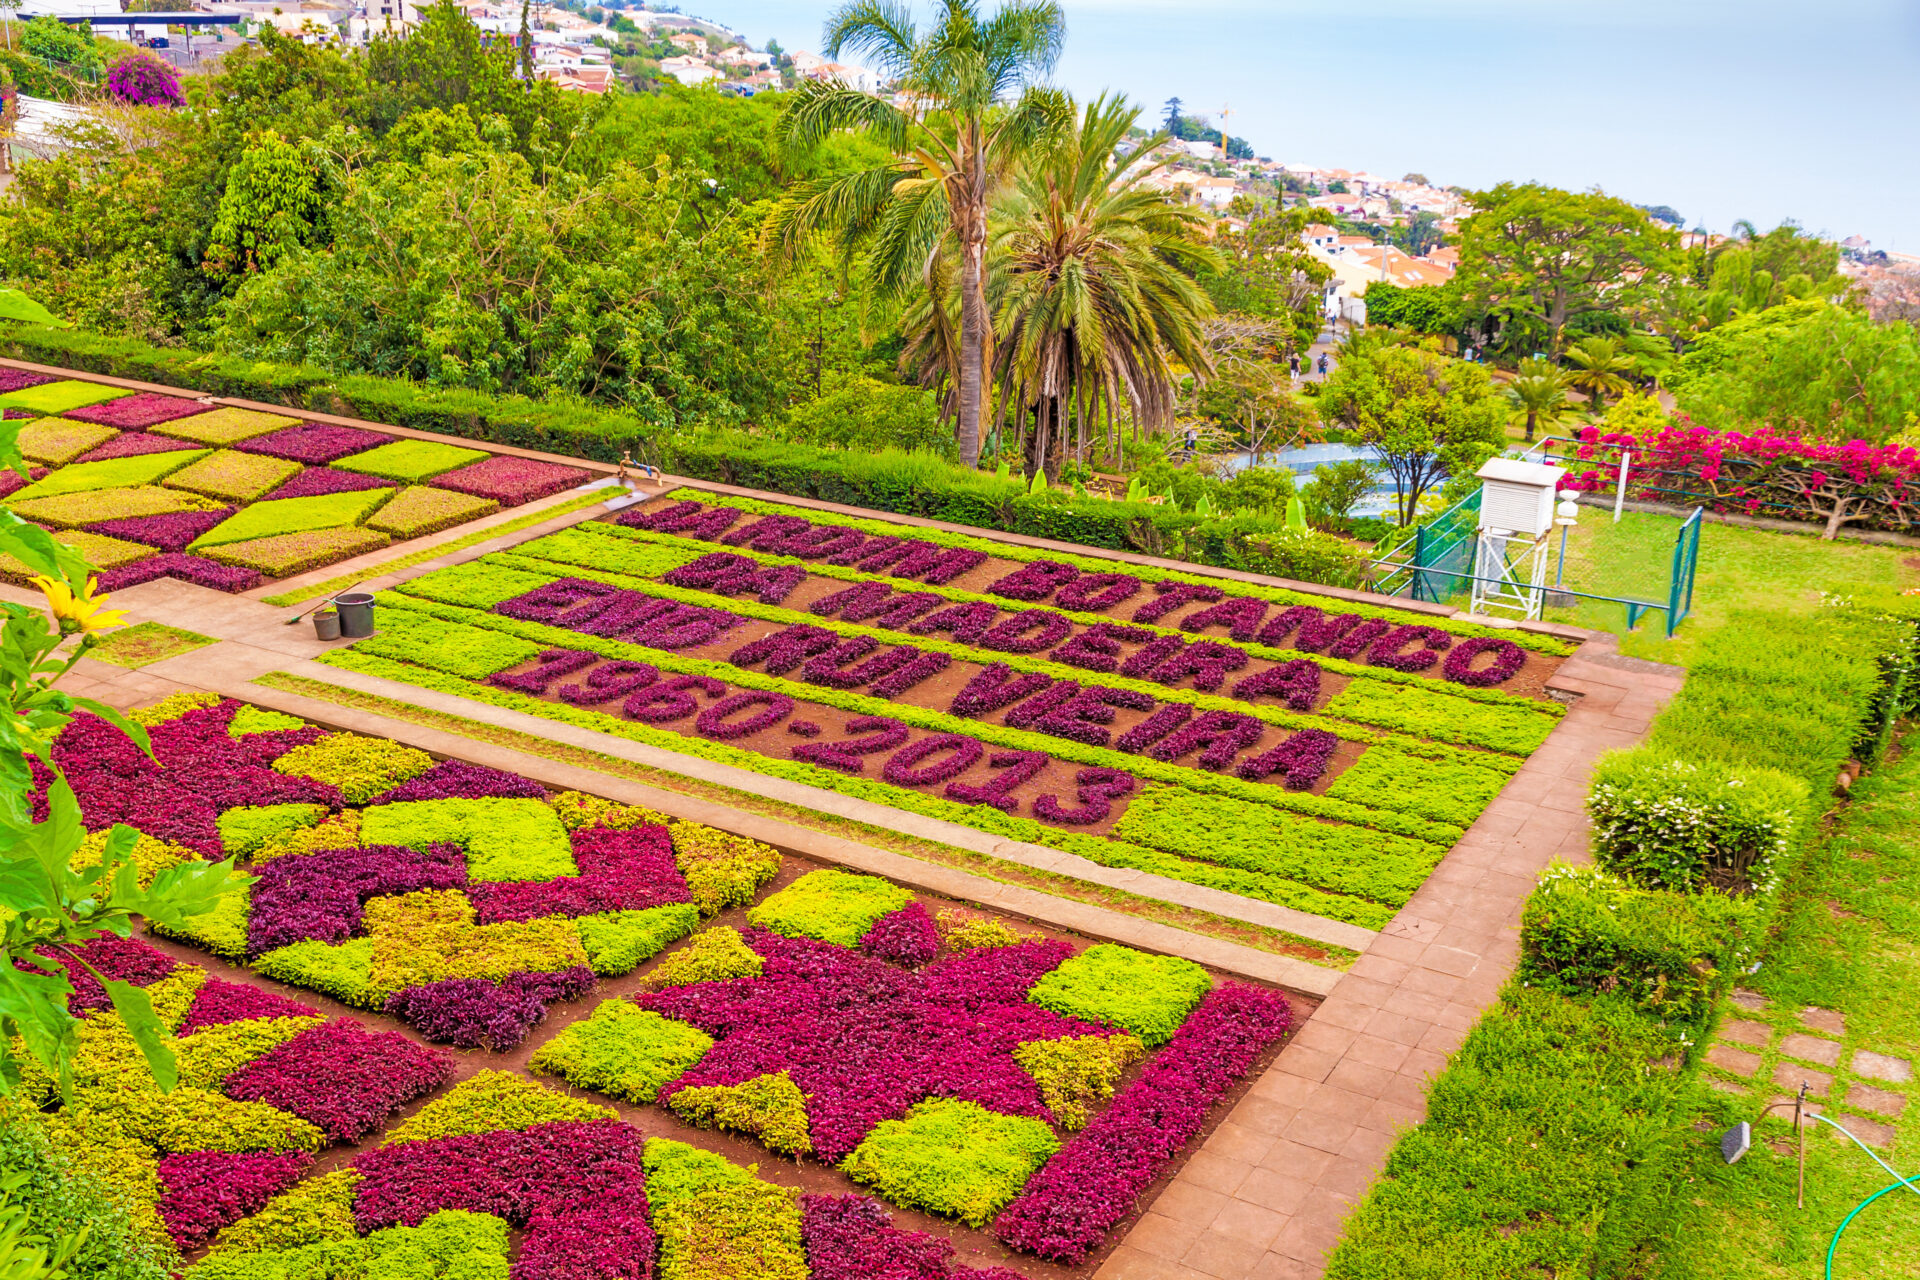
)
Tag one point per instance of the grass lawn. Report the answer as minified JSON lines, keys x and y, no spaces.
{"x":1738,"y":569}
{"x":1850,"y":943}
{"x":146,"y":642}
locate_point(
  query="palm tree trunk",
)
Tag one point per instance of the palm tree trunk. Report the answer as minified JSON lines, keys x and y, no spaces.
{"x":1530,"y":416}
{"x":973,"y":349}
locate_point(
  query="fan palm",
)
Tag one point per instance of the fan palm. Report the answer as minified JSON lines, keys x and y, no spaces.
{"x":955,"y":139}
{"x":1539,"y":394}
{"x":1599,"y":368}
{"x":1093,"y":283}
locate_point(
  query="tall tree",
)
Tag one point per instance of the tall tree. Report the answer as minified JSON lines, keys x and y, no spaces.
{"x":955,"y":138}
{"x":1534,"y":257}
{"x":1094,"y":290}
{"x":1429,"y":417}
{"x":1269,"y":274}
{"x":1172,"y":122}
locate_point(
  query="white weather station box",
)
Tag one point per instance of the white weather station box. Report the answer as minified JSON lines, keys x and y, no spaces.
{"x":1517,"y":498}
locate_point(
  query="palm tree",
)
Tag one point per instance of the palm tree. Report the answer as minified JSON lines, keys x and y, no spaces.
{"x":955,"y":139}
{"x":1093,"y":285}
{"x":1539,"y":392}
{"x":1600,"y":366}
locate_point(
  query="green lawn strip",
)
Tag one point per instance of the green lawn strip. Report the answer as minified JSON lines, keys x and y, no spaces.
{"x":1429,"y":713}
{"x":58,"y":397}
{"x":110,"y":473}
{"x":1095,"y":564}
{"x":1277,"y":716}
{"x":1739,"y":569}
{"x":1141,"y":766}
{"x":146,"y":642}
{"x":410,"y":460}
{"x":1104,"y":852}
{"x":1275,"y":941}
{"x":1849,"y":940}
{"x":292,"y":515}
{"x":577,"y":550}
{"x":527,"y":521}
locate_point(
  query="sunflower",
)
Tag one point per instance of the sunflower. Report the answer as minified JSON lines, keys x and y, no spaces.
{"x":82,"y":612}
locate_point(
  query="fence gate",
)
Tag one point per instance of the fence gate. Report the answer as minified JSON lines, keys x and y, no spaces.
{"x":1644,"y":564}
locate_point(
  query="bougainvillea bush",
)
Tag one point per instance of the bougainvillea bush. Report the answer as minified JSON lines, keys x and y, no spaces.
{"x":243,"y":496}
{"x":145,"y":81}
{"x":1316,"y":753}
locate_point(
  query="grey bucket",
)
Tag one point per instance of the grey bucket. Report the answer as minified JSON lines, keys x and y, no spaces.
{"x":326,"y":625}
{"x":356,"y":614}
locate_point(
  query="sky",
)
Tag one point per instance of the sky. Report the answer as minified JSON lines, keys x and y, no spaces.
{"x":1722,"y":109}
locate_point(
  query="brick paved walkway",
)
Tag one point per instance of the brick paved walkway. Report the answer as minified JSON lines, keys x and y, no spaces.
{"x":1265,"y":1197}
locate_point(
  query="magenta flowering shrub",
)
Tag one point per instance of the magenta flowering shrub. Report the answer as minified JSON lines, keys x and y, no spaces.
{"x":1761,"y":473}
{"x":628,"y":870}
{"x":511,"y":481}
{"x":316,"y":481}
{"x":171,"y":532}
{"x":319,"y":896}
{"x":865,"y":1040}
{"x":145,"y":81}
{"x":853,"y":1238}
{"x":129,"y":444}
{"x":204,"y":1191}
{"x":906,"y":937}
{"x":474,"y":1013}
{"x":576,"y":1187}
{"x":458,"y":780}
{"x":314,"y":443}
{"x":1508,"y":658}
{"x":142,"y":409}
{"x":198,"y":570}
{"x":219,"y":1002}
{"x":1094,"y":1181}
{"x":341,"y":1077}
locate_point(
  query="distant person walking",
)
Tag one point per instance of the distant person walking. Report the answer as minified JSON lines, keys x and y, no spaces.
{"x":1193,"y":441}
{"x":1293,"y":363}
{"x":1323,"y":364}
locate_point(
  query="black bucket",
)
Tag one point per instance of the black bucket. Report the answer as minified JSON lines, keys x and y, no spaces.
{"x":356,"y":614}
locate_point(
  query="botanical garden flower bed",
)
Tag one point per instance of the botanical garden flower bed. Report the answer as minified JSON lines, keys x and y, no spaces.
{"x":1023,"y":1088}
{"x":1288,"y":747}
{"x":229,"y":498}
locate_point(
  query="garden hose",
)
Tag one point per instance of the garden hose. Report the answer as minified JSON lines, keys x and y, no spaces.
{"x":1834,"y":1244}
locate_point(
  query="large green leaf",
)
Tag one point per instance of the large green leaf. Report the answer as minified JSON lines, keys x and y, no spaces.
{"x":136,"y":1010}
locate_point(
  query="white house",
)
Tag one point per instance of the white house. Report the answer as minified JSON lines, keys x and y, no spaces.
{"x":688,"y":70}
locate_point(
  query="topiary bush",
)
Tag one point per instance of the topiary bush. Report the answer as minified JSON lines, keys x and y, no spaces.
{"x":1671,"y":824}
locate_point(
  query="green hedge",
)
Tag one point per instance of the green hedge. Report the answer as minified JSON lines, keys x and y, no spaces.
{"x":1586,"y":931}
{"x":1551,"y":1144}
{"x":1673,"y":824}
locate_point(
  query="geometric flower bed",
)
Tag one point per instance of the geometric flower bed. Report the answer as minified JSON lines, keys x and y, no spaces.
{"x":163,"y":486}
{"x":264,"y":1083}
{"x":1024,"y":1086}
{"x":1289,"y":747}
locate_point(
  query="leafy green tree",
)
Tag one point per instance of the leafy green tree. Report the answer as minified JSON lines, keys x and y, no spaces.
{"x":54,"y":40}
{"x":1093,"y":290}
{"x":1535,"y":258}
{"x":867,"y":414}
{"x":956,"y":143}
{"x":1425,"y":308}
{"x":1808,"y":368}
{"x":270,"y":208}
{"x":1538,"y":393}
{"x":1429,"y":417}
{"x":1335,"y":490}
{"x":1267,"y":272}
{"x":1599,"y":368}
{"x":1421,"y":234}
